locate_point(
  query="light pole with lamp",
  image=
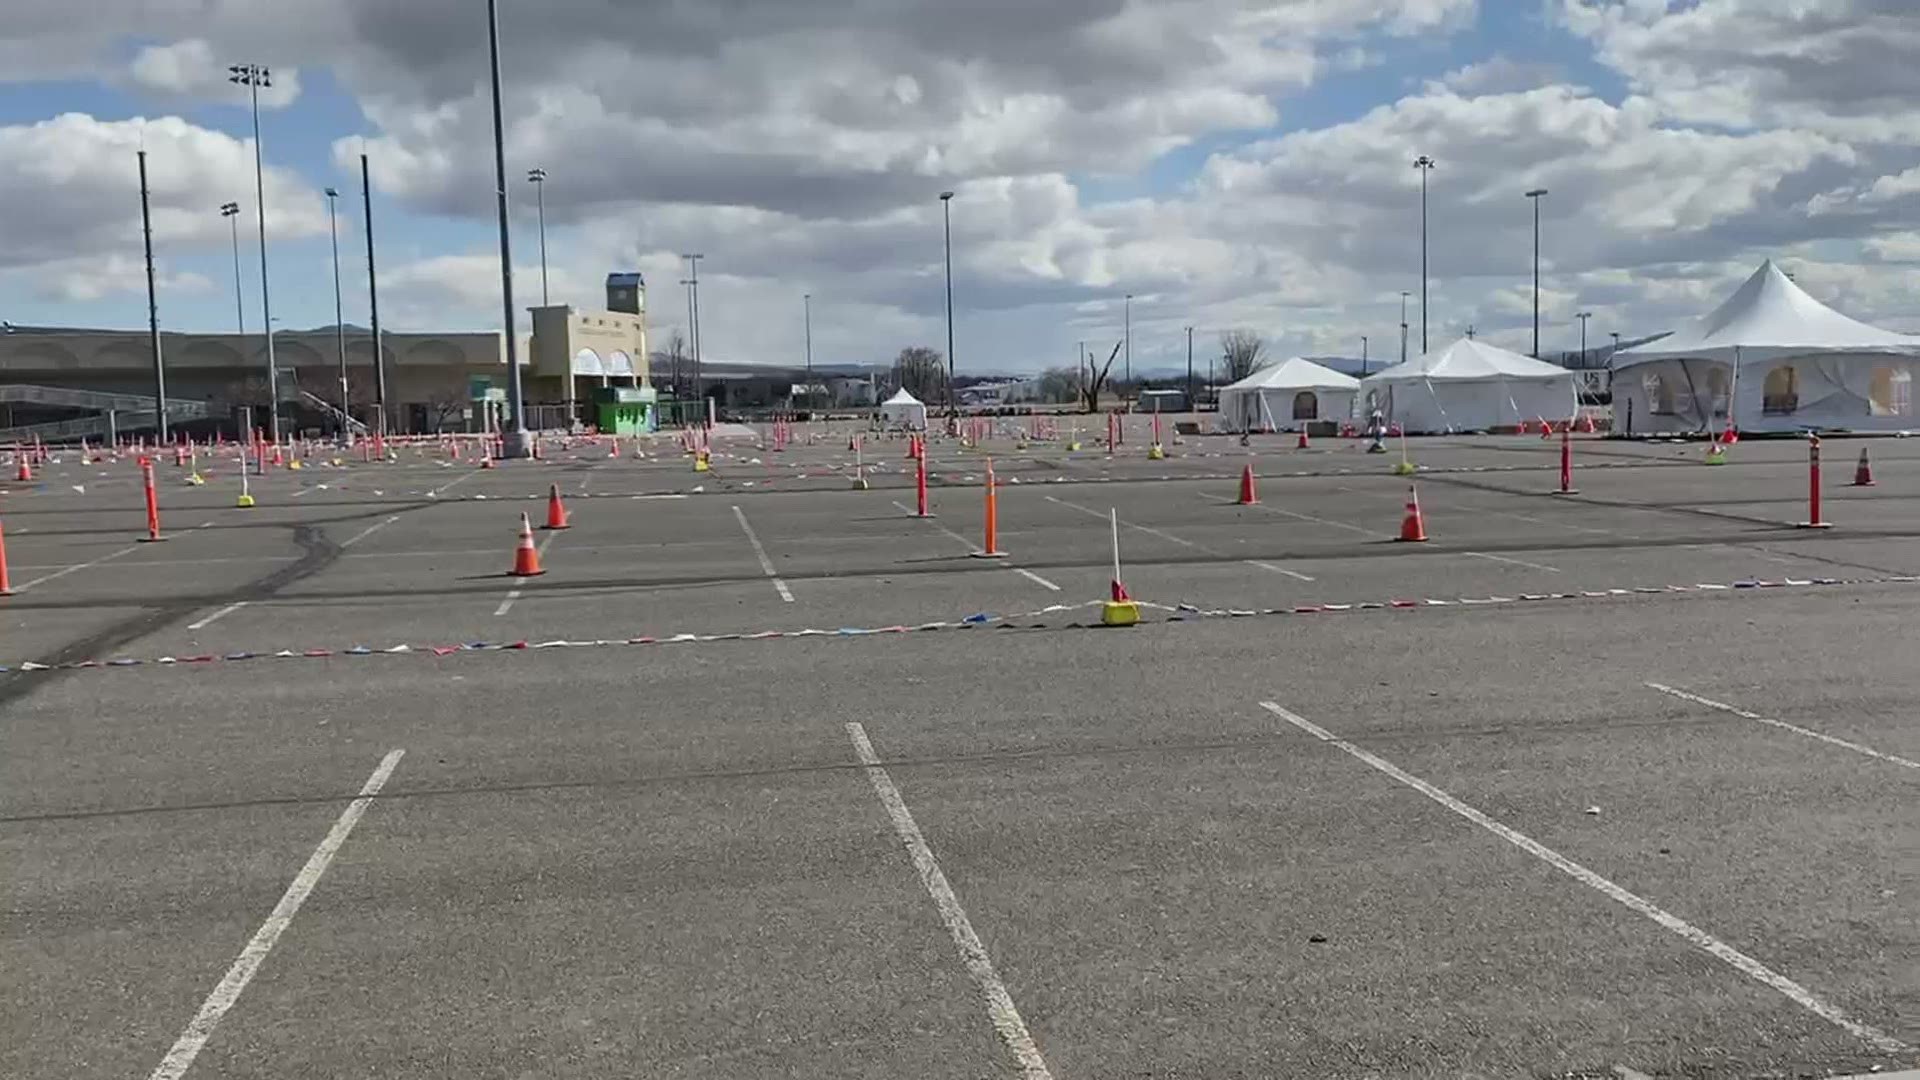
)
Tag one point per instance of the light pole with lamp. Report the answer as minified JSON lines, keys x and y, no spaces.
{"x":1363,"y":356}
{"x":1192,"y":402}
{"x":253,"y":77}
{"x":946,"y":217}
{"x":339,"y":324}
{"x":1128,"y":337}
{"x":1583,"y":316}
{"x":1403,"y":324}
{"x":231,"y":211}
{"x":538,"y":178}
{"x":806,"y":302}
{"x":513,"y":439}
{"x":1425,"y":165}
{"x":1534,"y":197}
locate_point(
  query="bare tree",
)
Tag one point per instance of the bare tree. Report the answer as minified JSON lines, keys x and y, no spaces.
{"x":1090,"y":389}
{"x":1242,"y":352}
{"x":919,"y":371}
{"x":1059,"y":385}
{"x":676,"y":357}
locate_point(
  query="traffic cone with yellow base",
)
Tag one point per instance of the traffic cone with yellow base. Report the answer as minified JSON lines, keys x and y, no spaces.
{"x":1120,"y":609}
{"x":526,"y":558}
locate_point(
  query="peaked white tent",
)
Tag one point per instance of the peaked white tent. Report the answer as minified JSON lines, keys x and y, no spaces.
{"x":1286,"y":394}
{"x":904,"y":410}
{"x":1470,"y":386}
{"x":1783,"y":361}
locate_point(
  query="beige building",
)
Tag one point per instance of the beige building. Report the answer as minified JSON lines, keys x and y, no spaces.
{"x":576,"y":352}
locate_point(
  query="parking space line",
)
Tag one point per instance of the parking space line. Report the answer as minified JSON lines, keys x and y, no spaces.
{"x":1833,"y":740}
{"x":1148,"y":529}
{"x":1713,"y":946}
{"x":216,"y":616}
{"x":1271,"y":509}
{"x":973,"y":953}
{"x":1515,"y":562}
{"x":968,"y":544}
{"x":1278,"y":569}
{"x":368,"y":531}
{"x":514,"y":593}
{"x":43,"y":579}
{"x":434,"y":493}
{"x":180,"y":1058}
{"x":766,"y":564}
{"x":1035,"y":578}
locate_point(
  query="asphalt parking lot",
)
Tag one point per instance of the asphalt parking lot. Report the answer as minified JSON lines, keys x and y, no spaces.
{"x":767,"y":776}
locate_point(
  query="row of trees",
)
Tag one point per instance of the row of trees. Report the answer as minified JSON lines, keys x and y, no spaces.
{"x":922,"y":371}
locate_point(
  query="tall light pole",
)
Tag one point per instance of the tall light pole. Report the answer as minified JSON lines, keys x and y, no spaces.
{"x":946,"y":216}
{"x":373,"y":305}
{"x":339,"y":324}
{"x":806,"y":302}
{"x":153,"y":309}
{"x":1425,"y":165}
{"x":1534,"y":197}
{"x":538,"y":178}
{"x":1403,"y":324}
{"x":693,"y":326}
{"x":1616,"y":345}
{"x":1191,"y":403}
{"x":253,"y":77}
{"x":231,"y":211}
{"x":513,"y":441}
{"x":1583,"y":316}
{"x":1128,"y":337}
{"x":1363,"y":356}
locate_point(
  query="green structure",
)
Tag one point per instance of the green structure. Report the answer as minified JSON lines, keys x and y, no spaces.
{"x":625,"y":410}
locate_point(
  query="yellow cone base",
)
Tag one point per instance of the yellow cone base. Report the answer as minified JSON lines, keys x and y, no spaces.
{"x":1073,"y":448}
{"x":1154,"y":453}
{"x":1119,"y":613}
{"x":244,"y":502}
{"x":195,"y":480}
{"x":700,"y":465}
{"x":860,"y":484}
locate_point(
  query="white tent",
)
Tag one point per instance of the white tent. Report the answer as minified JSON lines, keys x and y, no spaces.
{"x":1785,"y":360}
{"x":1470,"y":386}
{"x":1285,"y":394}
{"x":904,"y":410}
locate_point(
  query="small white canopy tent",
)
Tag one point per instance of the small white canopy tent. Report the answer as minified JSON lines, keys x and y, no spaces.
{"x":1470,"y":386}
{"x":1287,"y":394}
{"x":903,"y":410}
{"x":1784,"y":360}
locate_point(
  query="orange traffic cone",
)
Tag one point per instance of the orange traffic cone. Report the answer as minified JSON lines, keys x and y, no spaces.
{"x":25,"y":472}
{"x":1863,"y":472}
{"x":1302,"y":443}
{"x":6,"y":588}
{"x":1413,"y":528}
{"x":1546,"y":428}
{"x":526,"y":560}
{"x":556,"y":513}
{"x":990,"y":547}
{"x":1248,"y":496}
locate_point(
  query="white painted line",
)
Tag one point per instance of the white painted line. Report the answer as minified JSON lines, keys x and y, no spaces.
{"x":1713,"y":946}
{"x":1272,"y":509}
{"x":82,"y":566}
{"x":1625,"y":1073}
{"x":1278,"y":569}
{"x":1148,"y":529}
{"x":200,"y":1028}
{"x":766,"y":564}
{"x":968,"y":544}
{"x":299,"y":493}
{"x":368,"y":531}
{"x":216,"y":616}
{"x":1514,"y":562}
{"x":435,"y":493}
{"x":1000,"y":1009}
{"x":514,"y":593}
{"x":1831,"y":740}
{"x":1035,"y":578}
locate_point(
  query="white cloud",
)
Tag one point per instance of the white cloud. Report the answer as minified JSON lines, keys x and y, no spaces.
{"x":189,"y":71}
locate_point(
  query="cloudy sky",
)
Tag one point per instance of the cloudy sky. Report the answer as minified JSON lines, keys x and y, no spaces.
{"x":1231,"y":163}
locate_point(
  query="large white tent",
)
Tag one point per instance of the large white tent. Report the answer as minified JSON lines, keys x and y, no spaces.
{"x":1470,"y":386}
{"x":1285,"y":394}
{"x":903,"y":410}
{"x":1784,"y":361}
